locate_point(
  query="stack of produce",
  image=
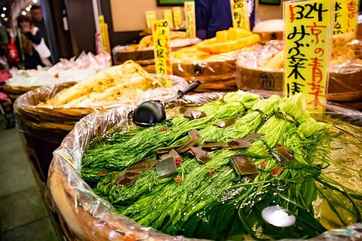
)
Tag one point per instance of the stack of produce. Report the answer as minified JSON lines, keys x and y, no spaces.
{"x":213,"y":61}
{"x":261,"y":68}
{"x":239,"y":167}
{"x":122,"y":83}
{"x":73,"y":70}
{"x":143,"y":51}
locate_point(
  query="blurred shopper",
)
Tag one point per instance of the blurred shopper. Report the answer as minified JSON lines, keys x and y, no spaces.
{"x":38,"y":21}
{"x":212,"y":16}
{"x":32,"y":43}
{"x":4,"y":40}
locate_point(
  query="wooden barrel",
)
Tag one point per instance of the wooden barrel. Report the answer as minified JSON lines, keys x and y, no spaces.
{"x":216,"y":75}
{"x":145,"y":57}
{"x":344,"y":85}
{"x":92,"y":218}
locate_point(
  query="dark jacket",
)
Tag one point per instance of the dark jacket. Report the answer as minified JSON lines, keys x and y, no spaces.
{"x":31,"y":57}
{"x":212,"y":16}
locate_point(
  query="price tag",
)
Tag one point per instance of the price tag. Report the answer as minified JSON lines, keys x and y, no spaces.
{"x":345,"y":16}
{"x":308,"y":41}
{"x":239,"y":9}
{"x":167,"y":15}
{"x":177,"y":17}
{"x":161,"y":43}
{"x":190,"y":19}
{"x":150,"y":18}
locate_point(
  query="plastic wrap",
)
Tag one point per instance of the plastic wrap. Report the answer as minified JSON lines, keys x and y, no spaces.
{"x":45,"y":127}
{"x":89,"y":217}
{"x":65,"y":71}
{"x":345,"y":82}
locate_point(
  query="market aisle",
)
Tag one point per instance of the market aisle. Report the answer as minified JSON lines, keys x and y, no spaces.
{"x":23,"y":214}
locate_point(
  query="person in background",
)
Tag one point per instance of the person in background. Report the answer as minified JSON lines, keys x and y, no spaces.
{"x":212,"y":16}
{"x":31,"y":42}
{"x":4,"y":40}
{"x":38,"y":21}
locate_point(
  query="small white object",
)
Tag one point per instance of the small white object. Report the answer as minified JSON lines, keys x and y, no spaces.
{"x":4,"y":8}
{"x":35,"y":1}
{"x":278,"y":217}
{"x":269,"y":26}
{"x":3,"y":15}
{"x":23,"y":13}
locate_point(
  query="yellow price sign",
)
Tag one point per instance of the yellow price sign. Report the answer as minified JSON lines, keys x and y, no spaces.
{"x":345,"y":16}
{"x":190,"y":19}
{"x":103,"y":27}
{"x":151,"y":16}
{"x":161,"y":43}
{"x":177,"y":17}
{"x":308,"y":42}
{"x":167,"y":15}
{"x":240,"y":13}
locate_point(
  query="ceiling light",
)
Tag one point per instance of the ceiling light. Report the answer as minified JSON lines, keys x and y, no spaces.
{"x":4,"y":8}
{"x":3,"y":15}
{"x":23,"y":13}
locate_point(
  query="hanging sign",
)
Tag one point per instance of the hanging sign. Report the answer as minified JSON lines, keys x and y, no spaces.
{"x":177,"y":17}
{"x":150,"y":18}
{"x":104,"y":35}
{"x":345,"y":16}
{"x":240,"y":13}
{"x":161,"y":43}
{"x":167,"y":15}
{"x":308,"y":41}
{"x":190,"y":19}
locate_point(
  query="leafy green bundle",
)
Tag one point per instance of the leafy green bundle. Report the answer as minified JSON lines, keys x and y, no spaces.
{"x":256,"y":153}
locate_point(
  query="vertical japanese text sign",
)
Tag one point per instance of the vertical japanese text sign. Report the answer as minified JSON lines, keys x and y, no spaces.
{"x":150,"y":18}
{"x":190,"y":19}
{"x":308,"y":41}
{"x":167,"y":15}
{"x":240,"y":13}
{"x":345,"y":16}
{"x":161,"y":43}
{"x":177,"y":17}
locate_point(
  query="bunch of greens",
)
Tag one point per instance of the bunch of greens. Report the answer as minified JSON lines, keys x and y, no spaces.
{"x":255,"y":153}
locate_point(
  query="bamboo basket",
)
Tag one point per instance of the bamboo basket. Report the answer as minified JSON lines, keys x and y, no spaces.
{"x":43,"y":128}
